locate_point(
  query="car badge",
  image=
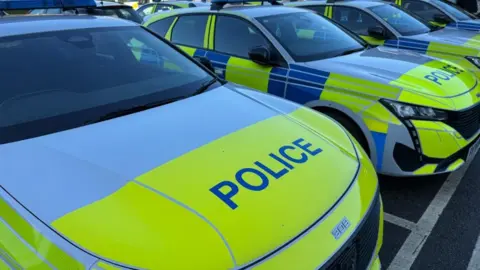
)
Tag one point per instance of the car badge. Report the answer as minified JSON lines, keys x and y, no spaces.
{"x":340,"y":228}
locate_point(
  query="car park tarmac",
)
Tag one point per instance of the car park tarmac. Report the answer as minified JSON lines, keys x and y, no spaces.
{"x":432,"y":222}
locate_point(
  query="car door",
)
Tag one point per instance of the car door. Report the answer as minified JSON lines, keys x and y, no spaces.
{"x":359,"y":22}
{"x":230,"y":40}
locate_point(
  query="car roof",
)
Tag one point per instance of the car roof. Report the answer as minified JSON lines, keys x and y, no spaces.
{"x":110,"y":4}
{"x":250,"y":11}
{"x":20,"y":25}
{"x":355,"y":3}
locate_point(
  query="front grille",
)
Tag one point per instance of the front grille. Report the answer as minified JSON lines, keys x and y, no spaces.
{"x":358,"y":251}
{"x":466,"y":122}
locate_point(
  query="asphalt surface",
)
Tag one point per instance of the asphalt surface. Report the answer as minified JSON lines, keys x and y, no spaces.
{"x":448,"y":236}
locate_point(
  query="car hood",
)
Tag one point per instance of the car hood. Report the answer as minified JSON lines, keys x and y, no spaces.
{"x":163,"y":187}
{"x":449,"y":40}
{"x":409,"y":72}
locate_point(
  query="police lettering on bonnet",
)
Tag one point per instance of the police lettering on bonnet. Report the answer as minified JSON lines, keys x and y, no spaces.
{"x":287,"y":156}
{"x":444,"y":74}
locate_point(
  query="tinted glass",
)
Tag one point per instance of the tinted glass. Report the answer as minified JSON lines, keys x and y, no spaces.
{"x":126,"y":13}
{"x":146,"y":10}
{"x":307,"y":36}
{"x":238,"y":44}
{"x":354,"y":19}
{"x":189,"y":30}
{"x":320,"y":10}
{"x":54,"y":11}
{"x":455,"y":12}
{"x":161,"y":27}
{"x":401,"y":21}
{"x":34,"y":12}
{"x":422,"y":9}
{"x":77,"y":76}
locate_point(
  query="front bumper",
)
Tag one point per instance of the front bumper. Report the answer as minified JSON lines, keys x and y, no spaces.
{"x":435,"y":148}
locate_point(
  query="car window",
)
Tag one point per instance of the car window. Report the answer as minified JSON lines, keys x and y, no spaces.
{"x":354,"y":19}
{"x":422,"y":9}
{"x":37,"y":11}
{"x":54,"y":11}
{"x":189,"y":30}
{"x":164,"y":7}
{"x":308,"y":37}
{"x":456,"y":12}
{"x":320,"y":10}
{"x":146,"y":10}
{"x":236,"y":36}
{"x":400,"y":20}
{"x":76,"y":76}
{"x":161,"y":27}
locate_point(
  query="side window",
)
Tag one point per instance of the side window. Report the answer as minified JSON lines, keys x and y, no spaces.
{"x":320,"y":10}
{"x":161,"y":27}
{"x":422,"y":9}
{"x":354,"y":19}
{"x":146,"y":10}
{"x":235,"y":36}
{"x":54,"y":11}
{"x":189,"y":30}
{"x":163,"y":7}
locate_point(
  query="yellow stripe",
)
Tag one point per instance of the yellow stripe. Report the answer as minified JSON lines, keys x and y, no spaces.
{"x":325,"y":12}
{"x":455,"y":165}
{"x":248,"y":73}
{"x":168,"y":35}
{"x":206,"y":31}
{"x":188,"y":50}
{"x":330,"y":14}
{"x":212,"y":32}
{"x":426,"y":169}
{"x":42,"y":245}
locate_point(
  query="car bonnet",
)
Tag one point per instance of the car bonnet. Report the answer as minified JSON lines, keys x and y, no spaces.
{"x":199,"y":183}
{"x":447,"y":40}
{"x":403,"y":75}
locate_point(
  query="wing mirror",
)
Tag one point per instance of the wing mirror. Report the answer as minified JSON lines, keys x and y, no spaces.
{"x":205,"y":62}
{"x":441,"y":19}
{"x":377,"y":32}
{"x":260,"y":55}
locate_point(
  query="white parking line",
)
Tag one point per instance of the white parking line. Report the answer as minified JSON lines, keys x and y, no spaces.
{"x":407,"y":224}
{"x":415,"y":241}
{"x":474,"y":263}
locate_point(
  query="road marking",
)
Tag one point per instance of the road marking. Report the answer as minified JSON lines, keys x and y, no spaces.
{"x":401,"y":222}
{"x":474,"y":263}
{"x":413,"y":245}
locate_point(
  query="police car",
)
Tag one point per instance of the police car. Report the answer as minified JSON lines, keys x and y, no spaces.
{"x":154,"y":7}
{"x":165,"y":166}
{"x":383,"y":23}
{"x":413,"y":114}
{"x":441,"y":13}
{"x":103,"y":8}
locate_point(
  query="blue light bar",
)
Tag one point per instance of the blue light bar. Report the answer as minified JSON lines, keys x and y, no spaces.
{"x":37,"y":4}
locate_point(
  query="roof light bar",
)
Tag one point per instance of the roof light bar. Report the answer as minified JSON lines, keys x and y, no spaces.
{"x":218,"y":4}
{"x":37,"y":4}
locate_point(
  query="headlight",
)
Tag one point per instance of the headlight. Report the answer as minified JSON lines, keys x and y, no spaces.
{"x":408,"y":111}
{"x":474,"y":60}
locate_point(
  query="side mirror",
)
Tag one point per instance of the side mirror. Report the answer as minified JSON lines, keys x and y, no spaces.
{"x":441,"y":18}
{"x":205,"y":62}
{"x":260,"y":55}
{"x":377,"y":32}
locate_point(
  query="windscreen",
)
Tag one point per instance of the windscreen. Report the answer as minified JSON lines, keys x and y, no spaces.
{"x":454,"y":11}
{"x":309,"y":37}
{"x":404,"y":23}
{"x":54,"y":81}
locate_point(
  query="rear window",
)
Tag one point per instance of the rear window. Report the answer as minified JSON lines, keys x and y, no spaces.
{"x":126,"y":13}
{"x":54,"y":81}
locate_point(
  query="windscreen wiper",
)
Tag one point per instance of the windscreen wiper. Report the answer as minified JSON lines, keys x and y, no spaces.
{"x":204,"y":86}
{"x":352,"y":51}
{"x":150,"y":105}
{"x":133,"y":109}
